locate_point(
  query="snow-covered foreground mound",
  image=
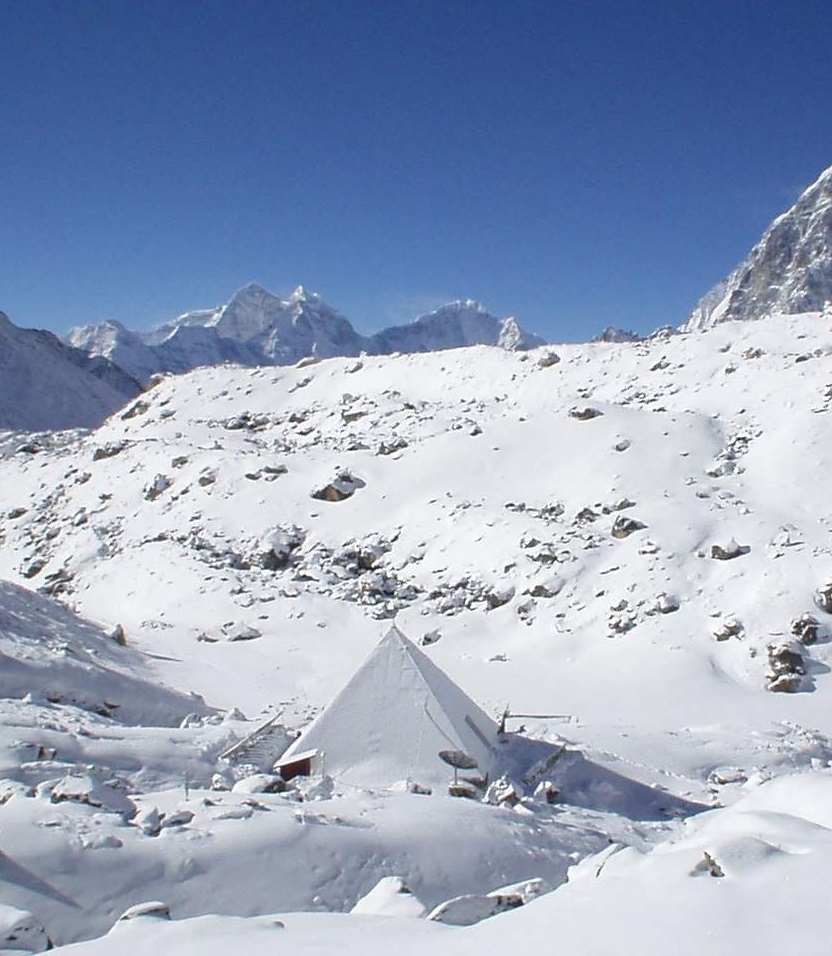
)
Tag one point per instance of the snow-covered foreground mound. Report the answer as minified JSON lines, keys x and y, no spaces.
{"x":624,"y":544}
{"x":749,"y":878}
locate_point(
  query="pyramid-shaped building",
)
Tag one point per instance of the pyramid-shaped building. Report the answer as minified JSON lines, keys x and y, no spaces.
{"x":390,"y":722}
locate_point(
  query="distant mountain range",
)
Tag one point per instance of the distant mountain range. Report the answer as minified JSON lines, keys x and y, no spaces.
{"x":259,"y":328}
{"x":47,"y":384}
{"x":788,"y":271}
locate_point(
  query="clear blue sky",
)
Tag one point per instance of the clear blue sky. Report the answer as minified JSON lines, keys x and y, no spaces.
{"x":575,"y":164}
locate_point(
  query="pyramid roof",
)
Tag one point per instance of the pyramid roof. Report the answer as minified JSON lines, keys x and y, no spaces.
{"x":391,"y":720}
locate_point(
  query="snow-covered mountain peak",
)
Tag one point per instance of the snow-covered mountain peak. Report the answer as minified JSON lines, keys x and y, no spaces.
{"x":454,"y":308}
{"x":257,"y":327}
{"x":302,"y":294}
{"x":788,"y":271}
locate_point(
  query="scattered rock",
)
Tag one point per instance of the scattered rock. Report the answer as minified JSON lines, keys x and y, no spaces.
{"x":308,"y":360}
{"x":206,"y":477}
{"x":343,"y":486}
{"x":624,"y":526}
{"x":620,"y":504}
{"x":503,"y":792}
{"x":666,"y":603}
{"x":153,"y":909}
{"x":725,"y":775}
{"x":390,"y":897}
{"x":391,"y":446}
{"x":149,"y":821}
{"x":548,"y":359}
{"x":786,"y":667}
{"x":585,"y":414}
{"x":138,"y":408}
{"x":21,"y":931}
{"x":109,"y":450}
{"x":728,"y":629}
{"x":118,"y":636}
{"x":498,"y":597}
{"x":34,"y":568}
{"x":806,"y":629}
{"x":56,"y":583}
{"x":179,"y":818}
{"x":548,"y":588}
{"x":526,"y":611}
{"x":156,"y":487}
{"x":729,"y":550}
{"x":823,"y":598}
{"x":246,"y":421}
{"x":277,"y":547}
{"x":707,"y":866}
{"x":546,"y":792}
{"x":586,"y":515}
{"x":260,"y":783}
{"x":468,"y":910}
{"x":238,"y":631}
{"x":621,"y":622}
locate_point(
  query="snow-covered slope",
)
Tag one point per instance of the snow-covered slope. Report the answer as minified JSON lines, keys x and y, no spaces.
{"x":45,"y":384}
{"x":52,"y":654}
{"x":788,"y":271}
{"x":622,"y":546}
{"x":258,"y":328}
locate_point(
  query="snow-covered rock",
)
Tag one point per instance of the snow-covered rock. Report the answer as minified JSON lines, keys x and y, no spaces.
{"x":389,"y":897}
{"x":20,"y":931}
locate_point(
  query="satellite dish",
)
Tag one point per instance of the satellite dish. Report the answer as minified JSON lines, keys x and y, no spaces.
{"x":458,"y":759}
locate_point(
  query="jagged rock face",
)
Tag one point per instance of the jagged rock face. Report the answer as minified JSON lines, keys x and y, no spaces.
{"x":258,"y":328}
{"x":788,"y":271}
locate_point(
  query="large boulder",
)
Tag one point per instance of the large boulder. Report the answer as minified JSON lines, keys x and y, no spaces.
{"x":343,"y":486}
{"x":786,"y":667}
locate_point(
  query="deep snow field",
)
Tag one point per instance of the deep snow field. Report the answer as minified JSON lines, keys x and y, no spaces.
{"x":618,"y":543}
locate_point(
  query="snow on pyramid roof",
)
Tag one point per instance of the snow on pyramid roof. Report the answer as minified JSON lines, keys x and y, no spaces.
{"x":393,"y":717}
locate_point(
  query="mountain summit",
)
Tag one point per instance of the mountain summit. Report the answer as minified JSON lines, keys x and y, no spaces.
{"x":258,"y":328}
{"x":788,"y":271}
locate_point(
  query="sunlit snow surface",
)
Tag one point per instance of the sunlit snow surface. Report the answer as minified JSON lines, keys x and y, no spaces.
{"x":483,"y":522}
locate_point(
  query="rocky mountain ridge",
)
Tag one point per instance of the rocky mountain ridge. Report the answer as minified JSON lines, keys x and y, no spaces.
{"x":789,"y":270}
{"x":47,"y":385}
